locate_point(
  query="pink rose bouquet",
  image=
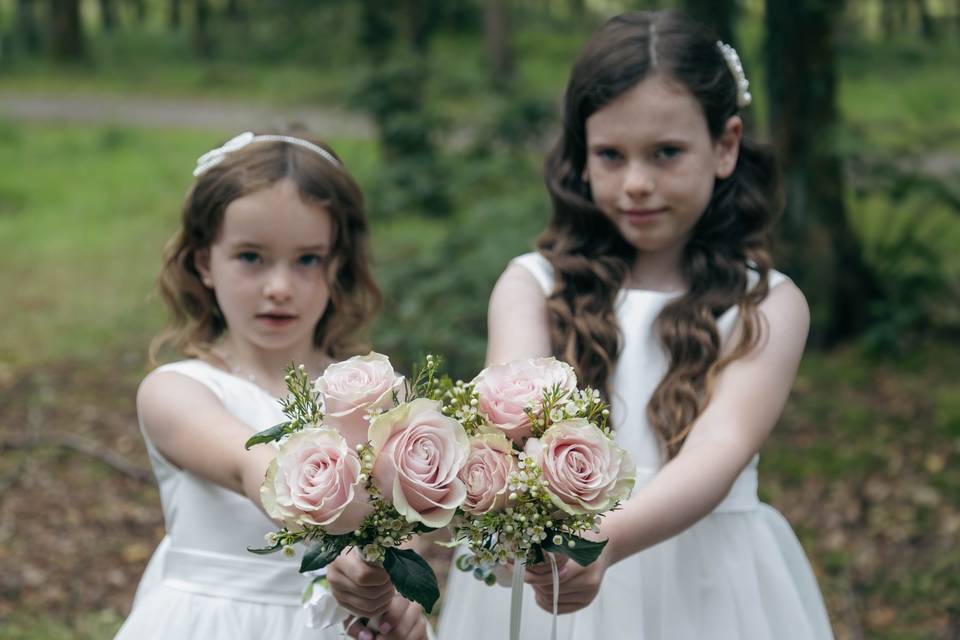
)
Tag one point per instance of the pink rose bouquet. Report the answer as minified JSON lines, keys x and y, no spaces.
{"x":510,"y":395}
{"x":366,"y":460}
{"x":543,"y":467}
{"x":354,"y":389}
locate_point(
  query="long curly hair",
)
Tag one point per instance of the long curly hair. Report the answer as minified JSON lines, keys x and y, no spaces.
{"x":196,"y":321}
{"x":591,"y":260}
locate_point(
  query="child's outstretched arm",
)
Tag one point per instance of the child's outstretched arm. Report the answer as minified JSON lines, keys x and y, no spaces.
{"x":189,"y":425}
{"x":747,"y":401}
{"x":517,"y":318}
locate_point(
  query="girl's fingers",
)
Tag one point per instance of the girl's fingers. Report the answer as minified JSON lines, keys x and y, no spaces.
{"x":563,"y":574}
{"x":406,"y":618}
{"x":361,"y":607}
{"x":357,"y":629}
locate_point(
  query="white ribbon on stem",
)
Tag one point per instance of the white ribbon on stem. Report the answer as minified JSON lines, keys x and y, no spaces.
{"x":516,"y":598}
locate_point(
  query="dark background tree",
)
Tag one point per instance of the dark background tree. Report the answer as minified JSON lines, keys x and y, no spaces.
{"x":497,"y":31}
{"x":202,"y":37}
{"x":816,"y":243}
{"x":27,"y":26}
{"x":67,"y":40}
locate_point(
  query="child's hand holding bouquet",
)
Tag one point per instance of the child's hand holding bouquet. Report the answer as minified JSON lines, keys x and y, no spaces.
{"x":542,"y":469}
{"x":366,"y":461}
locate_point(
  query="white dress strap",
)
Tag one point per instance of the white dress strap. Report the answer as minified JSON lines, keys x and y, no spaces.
{"x":198,"y":370}
{"x":539,"y":267}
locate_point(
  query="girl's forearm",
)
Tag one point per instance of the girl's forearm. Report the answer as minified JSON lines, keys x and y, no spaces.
{"x":253,"y":469}
{"x":685,"y":490}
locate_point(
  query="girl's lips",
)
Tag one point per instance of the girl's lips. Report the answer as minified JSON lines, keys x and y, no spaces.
{"x":276,"y":319}
{"x":637,"y":216}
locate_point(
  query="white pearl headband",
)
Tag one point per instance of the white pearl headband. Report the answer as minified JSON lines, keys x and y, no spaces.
{"x":736,"y":68}
{"x":216,"y":156}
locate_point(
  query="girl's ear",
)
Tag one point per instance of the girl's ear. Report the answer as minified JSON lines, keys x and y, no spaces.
{"x":201,"y":261}
{"x":727,"y":147}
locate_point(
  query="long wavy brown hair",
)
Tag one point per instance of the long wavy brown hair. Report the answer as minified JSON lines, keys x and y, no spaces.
{"x":591,"y":260}
{"x":196,"y":321}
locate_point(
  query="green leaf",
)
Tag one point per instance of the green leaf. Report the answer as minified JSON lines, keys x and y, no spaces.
{"x":412,"y":577}
{"x":262,"y":551}
{"x":583,"y":552}
{"x":267,"y":435}
{"x":320,"y":555}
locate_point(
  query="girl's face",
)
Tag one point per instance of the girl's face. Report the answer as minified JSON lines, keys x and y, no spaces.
{"x":267,"y":268}
{"x":652,"y":164}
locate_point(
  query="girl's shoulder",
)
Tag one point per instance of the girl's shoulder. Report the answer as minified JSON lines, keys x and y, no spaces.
{"x":195,"y":369}
{"x":539,"y":267}
{"x":774,"y":278}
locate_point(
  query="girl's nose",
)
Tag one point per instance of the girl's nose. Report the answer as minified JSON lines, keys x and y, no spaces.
{"x":639,"y":180}
{"x":278,"y":285}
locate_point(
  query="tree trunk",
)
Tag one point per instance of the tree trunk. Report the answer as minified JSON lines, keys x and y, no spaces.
{"x":234,"y":11}
{"x":108,"y":15}
{"x":66,"y":31}
{"x":927,"y":27}
{"x":27,"y":27}
{"x":578,"y":9}
{"x":818,"y":247}
{"x":140,"y":11}
{"x":719,"y":15}
{"x":202,"y":41}
{"x":499,"y":44}
{"x":956,"y":16}
{"x":174,"y":15}
{"x":889,"y":18}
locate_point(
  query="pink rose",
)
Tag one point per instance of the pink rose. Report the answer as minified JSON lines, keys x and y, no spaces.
{"x":488,"y":468}
{"x":506,"y":389}
{"x":586,"y":472}
{"x":351,"y":389}
{"x":315,"y":479}
{"x":418,"y":453}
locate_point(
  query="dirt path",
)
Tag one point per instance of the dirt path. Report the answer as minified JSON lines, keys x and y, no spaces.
{"x":188,"y":113}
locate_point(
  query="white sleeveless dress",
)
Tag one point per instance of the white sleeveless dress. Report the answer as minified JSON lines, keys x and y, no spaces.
{"x":737,"y":574}
{"x":201,"y":582}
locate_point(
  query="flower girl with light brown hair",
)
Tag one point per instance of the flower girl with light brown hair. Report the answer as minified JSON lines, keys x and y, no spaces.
{"x":270,"y":266}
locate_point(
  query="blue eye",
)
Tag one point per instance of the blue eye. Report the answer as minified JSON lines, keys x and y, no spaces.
{"x":312,"y":260}
{"x":608,"y":153}
{"x":248,"y":257}
{"x":668,"y":152}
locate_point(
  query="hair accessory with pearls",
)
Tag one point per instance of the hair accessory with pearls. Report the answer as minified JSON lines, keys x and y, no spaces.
{"x":736,"y":68}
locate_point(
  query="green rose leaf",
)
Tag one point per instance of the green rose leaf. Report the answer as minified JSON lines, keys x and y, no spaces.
{"x":320,"y":555}
{"x":262,"y":551}
{"x":412,"y":576}
{"x":267,"y":435}
{"x":583,"y":552}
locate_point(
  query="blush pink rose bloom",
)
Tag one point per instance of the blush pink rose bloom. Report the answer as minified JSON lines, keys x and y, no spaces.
{"x":586,"y":472}
{"x":418,"y":453}
{"x":351,"y":389}
{"x":486,"y":473}
{"x":505,"y":389}
{"x":315,"y":479}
